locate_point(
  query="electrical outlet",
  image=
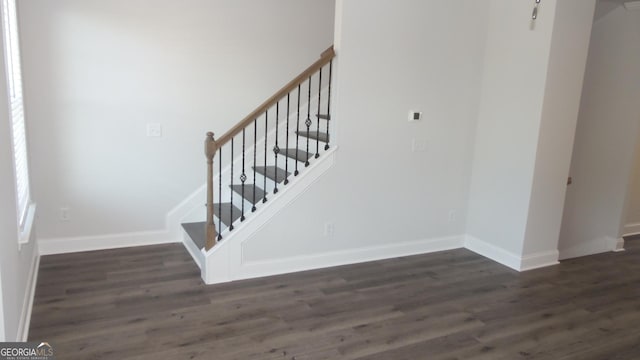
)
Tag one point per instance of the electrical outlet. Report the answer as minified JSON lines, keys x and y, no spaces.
{"x":329,"y":229}
{"x":154,"y":130}
{"x":64,"y":214}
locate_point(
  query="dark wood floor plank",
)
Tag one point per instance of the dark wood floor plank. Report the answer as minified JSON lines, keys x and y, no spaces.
{"x":149,"y":303}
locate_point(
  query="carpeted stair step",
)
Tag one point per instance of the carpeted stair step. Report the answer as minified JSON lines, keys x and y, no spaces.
{"x":315,"y":135}
{"x":225,"y":214}
{"x":248,"y":193}
{"x":273,"y":173}
{"x":299,"y":155}
{"x":196,"y":232}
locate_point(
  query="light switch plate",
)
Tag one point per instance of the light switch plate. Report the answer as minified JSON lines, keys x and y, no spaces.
{"x":415,"y":116}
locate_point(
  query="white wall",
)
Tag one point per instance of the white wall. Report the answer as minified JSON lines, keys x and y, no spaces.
{"x":632,"y":223}
{"x":2,"y":324}
{"x":96,"y":72}
{"x":515,"y":74}
{"x":393,"y":56}
{"x":15,"y":264}
{"x":529,"y":104}
{"x":563,"y":89}
{"x":606,"y":137}
{"x":499,"y":97}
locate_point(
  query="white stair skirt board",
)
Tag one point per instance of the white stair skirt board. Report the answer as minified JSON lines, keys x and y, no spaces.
{"x":509,"y":259}
{"x":53,"y":246}
{"x":27,"y":304}
{"x":597,"y":246}
{"x":632,"y":229}
{"x":230,"y":249}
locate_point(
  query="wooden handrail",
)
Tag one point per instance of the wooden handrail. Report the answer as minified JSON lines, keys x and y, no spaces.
{"x":325,"y":58}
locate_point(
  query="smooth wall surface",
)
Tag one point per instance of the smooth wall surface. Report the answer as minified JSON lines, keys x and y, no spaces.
{"x":563,"y":89}
{"x":632,"y":223}
{"x":514,"y":79}
{"x":606,"y":137}
{"x":15,"y":264}
{"x":97,"y":72}
{"x":393,"y":57}
{"x":2,"y":324}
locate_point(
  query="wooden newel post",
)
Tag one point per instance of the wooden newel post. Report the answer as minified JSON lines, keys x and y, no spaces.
{"x":210,"y":149}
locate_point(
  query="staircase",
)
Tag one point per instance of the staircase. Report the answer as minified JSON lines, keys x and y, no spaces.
{"x":264,"y":154}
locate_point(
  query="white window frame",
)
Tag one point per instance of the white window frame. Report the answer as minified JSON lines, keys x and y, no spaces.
{"x":25,"y":208}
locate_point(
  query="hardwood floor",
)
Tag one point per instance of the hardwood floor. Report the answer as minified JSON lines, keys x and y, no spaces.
{"x":149,"y":303}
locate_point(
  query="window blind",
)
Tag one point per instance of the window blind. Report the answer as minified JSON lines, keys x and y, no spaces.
{"x":14,"y":84}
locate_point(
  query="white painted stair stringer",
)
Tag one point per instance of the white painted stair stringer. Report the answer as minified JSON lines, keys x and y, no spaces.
{"x":224,"y":262}
{"x":193,"y":250}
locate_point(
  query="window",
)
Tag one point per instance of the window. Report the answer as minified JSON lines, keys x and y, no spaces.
{"x":14,"y":88}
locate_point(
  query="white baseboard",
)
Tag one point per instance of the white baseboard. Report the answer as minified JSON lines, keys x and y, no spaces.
{"x":632,"y":229}
{"x":509,"y":259}
{"x":229,"y":265}
{"x":27,"y":304}
{"x":225,"y":271}
{"x":596,"y":246}
{"x":492,"y":252}
{"x":345,"y":257}
{"x":539,"y":260}
{"x":103,"y":242}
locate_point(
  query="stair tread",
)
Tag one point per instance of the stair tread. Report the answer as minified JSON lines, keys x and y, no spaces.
{"x":324,"y":116}
{"x":196,"y":232}
{"x":315,"y":135}
{"x":271,"y":172}
{"x":248,"y":193}
{"x":299,"y":155}
{"x":225,"y":213}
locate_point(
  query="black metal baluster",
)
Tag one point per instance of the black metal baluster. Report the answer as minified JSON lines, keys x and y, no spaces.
{"x":243,"y":176}
{"x":326,"y":147}
{"x":308,"y":123}
{"x":220,"y":194}
{"x":231,"y":182}
{"x":266,"y":128}
{"x":286,"y":161}
{"x":276,"y":149}
{"x":255,"y":164}
{"x":296,"y":172}
{"x":318,"y":115}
